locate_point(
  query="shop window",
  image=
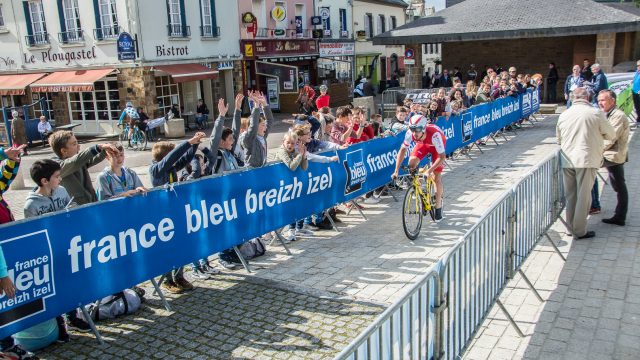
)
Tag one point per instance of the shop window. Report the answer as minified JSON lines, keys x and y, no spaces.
{"x":38,"y":110}
{"x":106,"y":19}
{"x":209,"y":27}
{"x":103,"y":103}
{"x":69,"y":21}
{"x":36,"y":25}
{"x":166,"y":93}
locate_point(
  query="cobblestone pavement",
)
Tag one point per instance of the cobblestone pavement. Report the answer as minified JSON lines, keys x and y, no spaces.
{"x":340,"y":281}
{"x":592,"y":301}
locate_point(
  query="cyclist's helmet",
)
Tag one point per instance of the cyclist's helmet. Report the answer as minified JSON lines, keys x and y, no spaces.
{"x":418,"y":123}
{"x":129,"y":104}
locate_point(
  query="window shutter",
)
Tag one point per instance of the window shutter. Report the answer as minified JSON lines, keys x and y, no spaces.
{"x":201,"y":14}
{"x":27,"y":18}
{"x":96,"y":12}
{"x":214,"y":22}
{"x":183,"y":18}
{"x":168,"y":13}
{"x":63,"y":23}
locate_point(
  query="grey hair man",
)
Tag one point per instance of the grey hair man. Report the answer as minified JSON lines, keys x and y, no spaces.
{"x":615,"y":154}
{"x":581,"y":131}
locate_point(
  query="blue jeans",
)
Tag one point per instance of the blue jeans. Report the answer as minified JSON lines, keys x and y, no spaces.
{"x":196,"y":264}
{"x":595,"y":199}
{"x":296,"y":225}
{"x":200,"y":119}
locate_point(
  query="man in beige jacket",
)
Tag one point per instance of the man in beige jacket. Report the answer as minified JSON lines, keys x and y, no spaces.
{"x":581,"y":131}
{"x":615,"y":154}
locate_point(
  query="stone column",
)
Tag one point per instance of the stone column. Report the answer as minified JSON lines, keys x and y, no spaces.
{"x":60,"y":105}
{"x":605,"y":50}
{"x":413,"y":73}
{"x":138,"y":85}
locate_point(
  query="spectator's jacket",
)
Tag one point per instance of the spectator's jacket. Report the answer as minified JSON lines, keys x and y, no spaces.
{"x":9,"y":170}
{"x":37,"y":204}
{"x":18,"y":131}
{"x":398,"y":126}
{"x":322,"y":101}
{"x":165,"y":171}
{"x":616,"y":149}
{"x":110,"y":185}
{"x":570,"y":82}
{"x":445,"y":81}
{"x":636,"y":83}
{"x":482,"y":98}
{"x":255,"y":151}
{"x":552,"y":77}
{"x":292,"y":159}
{"x":228,"y":160}
{"x":44,"y":127}
{"x":599,"y":82}
{"x":75,"y":174}
{"x":581,"y":131}
{"x":202,"y":109}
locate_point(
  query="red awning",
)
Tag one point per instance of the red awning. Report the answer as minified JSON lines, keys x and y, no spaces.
{"x":15,"y":84}
{"x":187,"y":72}
{"x":70,"y":81}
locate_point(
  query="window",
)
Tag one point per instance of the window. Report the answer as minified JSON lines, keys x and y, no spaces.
{"x":368,"y":25}
{"x":343,"y":20}
{"x":175,"y":18}
{"x":326,"y":22}
{"x":103,"y":103}
{"x":166,"y":93}
{"x":71,"y":30}
{"x":208,"y":11}
{"x":1,"y":18}
{"x":38,"y":109}
{"x":394,"y":22}
{"x":381,"y":24}
{"x":38,"y":32}
{"x":107,"y":20}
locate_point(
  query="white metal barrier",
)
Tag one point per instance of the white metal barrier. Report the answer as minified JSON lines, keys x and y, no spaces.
{"x":440,"y":314}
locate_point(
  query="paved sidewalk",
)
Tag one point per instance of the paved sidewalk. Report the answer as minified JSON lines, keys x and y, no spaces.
{"x":340,"y":281}
{"x":592,"y":301}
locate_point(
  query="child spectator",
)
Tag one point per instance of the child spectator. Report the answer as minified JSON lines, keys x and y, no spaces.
{"x":255,"y":139}
{"x":484,"y":94}
{"x":44,"y":129}
{"x":293,"y":159}
{"x":360,"y":121}
{"x":377,"y":125}
{"x":342,"y":130}
{"x":324,"y":99}
{"x":9,"y":163}
{"x":74,"y":165}
{"x":167,"y":160}
{"x":116,"y":180}
{"x":399,"y":124}
{"x":326,"y":121}
{"x":47,"y":197}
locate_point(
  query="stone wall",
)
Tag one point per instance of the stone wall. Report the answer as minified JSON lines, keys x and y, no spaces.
{"x":605,"y":51}
{"x":60,"y":104}
{"x":138,"y":85}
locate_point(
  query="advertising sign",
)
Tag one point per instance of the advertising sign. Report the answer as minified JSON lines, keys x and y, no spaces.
{"x":126,"y":47}
{"x":272,"y":93}
{"x":299,"y":31}
{"x":337,"y":49}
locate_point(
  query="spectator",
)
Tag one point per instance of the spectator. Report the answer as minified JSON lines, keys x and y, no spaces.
{"x":457,"y":73}
{"x":455,"y":108}
{"x":323,"y":100}
{"x":393,"y":82}
{"x":255,"y":139}
{"x":342,"y":129}
{"x":175,"y":111}
{"x":432,"y":113}
{"x":202,"y":114}
{"x":472,"y":74}
{"x":552,"y":83}
{"x":445,"y":80}
{"x":377,"y":125}
{"x":581,"y":131}
{"x":585,"y":72}
{"x":398,"y":125}
{"x":470,"y":93}
{"x":441,"y":100}
{"x":599,"y":81}
{"x":635,"y":89}
{"x":484,"y":94}
{"x":293,"y":158}
{"x":44,"y":129}
{"x":616,"y":154}
{"x":311,"y":120}
{"x":426,"y":80}
{"x":360,"y":121}
{"x":458,"y":95}
{"x":513,"y":72}
{"x":574,"y":81}
{"x":18,"y":131}
{"x":358,"y":90}
{"x":116,"y":180}
{"x":435,"y":79}
{"x":168,"y":159}
{"x":502,"y":91}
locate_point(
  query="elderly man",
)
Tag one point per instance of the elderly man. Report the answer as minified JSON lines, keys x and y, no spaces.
{"x":599,"y":80}
{"x":615,"y":154}
{"x":581,"y":131}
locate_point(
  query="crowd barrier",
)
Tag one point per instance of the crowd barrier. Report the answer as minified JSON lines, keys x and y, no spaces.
{"x":439,"y":315}
{"x":62,"y":260}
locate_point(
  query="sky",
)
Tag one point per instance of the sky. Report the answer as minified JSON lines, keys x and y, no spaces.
{"x":438,"y":4}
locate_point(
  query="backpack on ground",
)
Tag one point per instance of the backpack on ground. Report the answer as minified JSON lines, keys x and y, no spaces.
{"x":252,"y":248}
{"x":120,"y":303}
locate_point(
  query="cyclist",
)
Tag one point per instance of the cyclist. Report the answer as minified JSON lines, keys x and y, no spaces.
{"x":134,"y":117}
{"x":428,"y":139}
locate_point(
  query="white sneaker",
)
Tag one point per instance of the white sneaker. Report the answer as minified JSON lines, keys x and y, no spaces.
{"x":291,"y":235}
{"x":372,"y":200}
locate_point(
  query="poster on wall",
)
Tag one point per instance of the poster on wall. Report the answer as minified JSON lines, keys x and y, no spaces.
{"x":273,"y":94}
{"x":299,"y":32}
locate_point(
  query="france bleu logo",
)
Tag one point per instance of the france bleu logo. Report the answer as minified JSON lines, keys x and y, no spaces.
{"x":356,"y":171}
{"x":467,"y":126}
{"x":526,"y":103}
{"x":30,"y":267}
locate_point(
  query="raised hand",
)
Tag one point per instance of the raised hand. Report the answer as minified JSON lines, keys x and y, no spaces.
{"x":14,"y":152}
{"x":197,"y":138}
{"x":239,"y":99}
{"x":222,"y":108}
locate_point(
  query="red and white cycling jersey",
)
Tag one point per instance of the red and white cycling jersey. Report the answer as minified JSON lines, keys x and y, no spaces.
{"x":433,"y":137}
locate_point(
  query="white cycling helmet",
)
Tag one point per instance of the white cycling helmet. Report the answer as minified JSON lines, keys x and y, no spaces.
{"x":417,"y":123}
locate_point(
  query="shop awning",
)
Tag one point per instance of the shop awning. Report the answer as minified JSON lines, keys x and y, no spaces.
{"x":15,"y":84}
{"x":70,"y":81}
{"x":187,"y":72}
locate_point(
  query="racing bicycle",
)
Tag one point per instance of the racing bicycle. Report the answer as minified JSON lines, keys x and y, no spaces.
{"x":138,"y":139}
{"x":419,"y":200}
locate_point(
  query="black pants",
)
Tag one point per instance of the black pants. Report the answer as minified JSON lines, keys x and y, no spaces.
{"x":552,"y":94}
{"x":636,"y":105}
{"x":616,"y":177}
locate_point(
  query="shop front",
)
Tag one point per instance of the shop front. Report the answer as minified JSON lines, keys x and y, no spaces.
{"x":278,"y":68}
{"x":336,"y":68}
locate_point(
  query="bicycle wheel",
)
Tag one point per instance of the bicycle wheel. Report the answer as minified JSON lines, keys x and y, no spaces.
{"x":123,"y":138}
{"x":431,"y":192}
{"x":138,"y":140}
{"x":412,"y":214}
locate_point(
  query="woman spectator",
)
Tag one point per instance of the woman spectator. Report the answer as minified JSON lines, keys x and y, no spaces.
{"x":432,"y":114}
{"x":457,"y":95}
{"x":324,"y":99}
{"x":574,"y":81}
{"x":471,"y":91}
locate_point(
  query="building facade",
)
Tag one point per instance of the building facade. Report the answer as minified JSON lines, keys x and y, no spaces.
{"x":66,"y":51}
{"x":378,"y":63}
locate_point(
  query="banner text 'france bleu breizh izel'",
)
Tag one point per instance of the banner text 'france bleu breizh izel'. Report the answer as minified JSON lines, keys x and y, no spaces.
{"x":73,"y":257}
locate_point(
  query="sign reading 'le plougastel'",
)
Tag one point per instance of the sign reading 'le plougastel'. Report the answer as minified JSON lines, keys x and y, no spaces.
{"x":64,"y":56}
{"x":279,"y":48}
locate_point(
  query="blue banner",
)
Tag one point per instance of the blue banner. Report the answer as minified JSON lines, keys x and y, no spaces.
{"x":58,"y":261}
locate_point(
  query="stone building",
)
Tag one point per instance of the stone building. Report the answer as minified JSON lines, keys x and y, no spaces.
{"x":525,"y":34}
{"x":66,"y":51}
